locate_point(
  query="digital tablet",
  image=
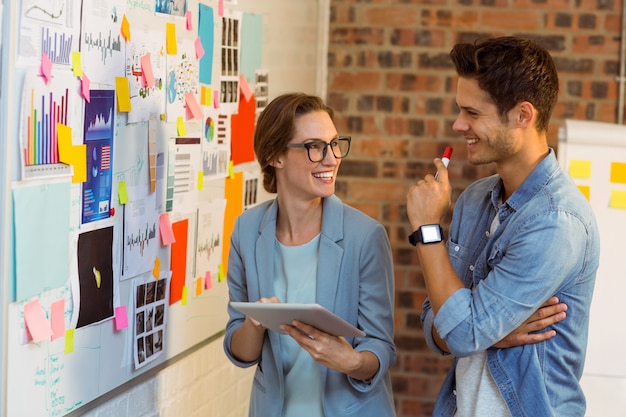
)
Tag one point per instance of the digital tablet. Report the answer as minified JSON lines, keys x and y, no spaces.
{"x":272,"y":315}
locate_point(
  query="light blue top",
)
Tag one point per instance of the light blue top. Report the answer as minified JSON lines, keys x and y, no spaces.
{"x":354,"y":281}
{"x":547,"y":244}
{"x":295,"y":282}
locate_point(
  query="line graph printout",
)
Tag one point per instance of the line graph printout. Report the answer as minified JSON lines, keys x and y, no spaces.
{"x":102,"y":46}
{"x":141,"y":237}
{"x":209,"y":240}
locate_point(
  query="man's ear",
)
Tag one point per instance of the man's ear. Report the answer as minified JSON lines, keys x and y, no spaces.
{"x":525,"y":114}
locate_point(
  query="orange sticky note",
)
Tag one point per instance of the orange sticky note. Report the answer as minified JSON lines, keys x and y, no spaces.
{"x":193,"y":106}
{"x":156,"y":269}
{"x":184,"y":296}
{"x":122,"y":91}
{"x":57,"y":319}
{"x":76,"y":66}
{"x":84,"y":88}
{"x":125,"y":28}
{"x":36,"y":321}
{"x":121,"y":318}
{"x":170,"y":38}
{"x":146,"y":69}
{"x":208,"y":284}
{"x":618,"y":172}
{"x":46,"y":68}
{"x":180,"y":126}
{"x":586,"y":191}
{"x":198,"y":287}
{"x":165,"y":227}
{"x":199,"y":49}
{"x":122,"y":193}
{"x":188,"y":24}
{"x":69,"y":341}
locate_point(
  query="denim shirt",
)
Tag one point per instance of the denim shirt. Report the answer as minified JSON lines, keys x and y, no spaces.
{"x":547,"y":244}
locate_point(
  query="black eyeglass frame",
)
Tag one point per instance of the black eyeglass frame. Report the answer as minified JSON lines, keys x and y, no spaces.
{"x":309,"y":145}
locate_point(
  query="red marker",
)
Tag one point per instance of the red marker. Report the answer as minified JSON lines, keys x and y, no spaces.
{"x":447,"y":154}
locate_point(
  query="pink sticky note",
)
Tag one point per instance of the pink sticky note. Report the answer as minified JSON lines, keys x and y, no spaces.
{"x":121,"y":318}
{"x":146,"y":69}
{"x":193,"y":106}
{"x":220,"y":8}
{"x":165,"y":227}
{"x":57,"y":319}
{"x":199,"y":48}
{"x":188,"y":19}
{"x":208,"y":284}
{"x":36,"y":321}
{"x":84,"y":88}
{"x":245,"y":87}
{"x":46,"y":68}
{"x":216,"y":99}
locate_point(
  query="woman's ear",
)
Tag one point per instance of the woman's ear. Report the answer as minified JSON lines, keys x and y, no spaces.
{"x":277,"y":162}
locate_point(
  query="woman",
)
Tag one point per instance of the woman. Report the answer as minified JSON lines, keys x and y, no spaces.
{"x":306,"y":246}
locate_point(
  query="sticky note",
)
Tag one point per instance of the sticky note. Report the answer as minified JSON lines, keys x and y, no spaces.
{"x":122,"y":91}
{"x":122,"y":193}
{"x":193,"y":106}
{"x":36,"y":321}
{"x":200,"y":180}
{"x":121,"y":318}
{"x":208,"y":284}
{"x":231,"y":169}
{"x":220,"y":8}
{"x":57,"y":319}
{"x":198,"y":287}
{"x":188,"y":23}
{"x":216,"y":99}
{"x":220,"y":273}
{"x":46,"y":68}
{"x":84,"y":88}
{"x":180,"y":126}
{"x":184,"y":296}
{"x":170,"y":38}
{"x":165,"y":227}
{"x":69,"y":341}
{"x":618,"y":172}
{"x":125,"y":28}
{"x":618,"y":199}
{"x":586,"y":191}
{"x":76,"y":156}
{"x":579,"y":168}
{"x":245,"y":87}
{"x":199,"y":49}
{"x":146,"y":70}
{"x":76,"y":66}
{"x":156,"y":269}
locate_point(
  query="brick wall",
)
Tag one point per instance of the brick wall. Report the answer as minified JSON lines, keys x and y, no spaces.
{"x":392,"y":84}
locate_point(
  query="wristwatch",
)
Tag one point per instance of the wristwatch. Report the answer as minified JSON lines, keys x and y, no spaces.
{"x":428,"y":233}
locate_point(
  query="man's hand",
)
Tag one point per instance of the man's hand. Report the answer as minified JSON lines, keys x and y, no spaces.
{"x":551,"y":312}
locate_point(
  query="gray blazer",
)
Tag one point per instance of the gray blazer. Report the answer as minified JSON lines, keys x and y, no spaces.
{"x":354,"y":280}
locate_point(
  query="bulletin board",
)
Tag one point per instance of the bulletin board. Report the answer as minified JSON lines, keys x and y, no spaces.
{"x":594,"y":154}
{"x":131,"y":158}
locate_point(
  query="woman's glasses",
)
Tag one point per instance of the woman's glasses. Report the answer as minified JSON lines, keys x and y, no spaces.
{"x":317,"y":148}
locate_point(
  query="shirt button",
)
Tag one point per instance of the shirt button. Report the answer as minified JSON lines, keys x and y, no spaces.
{"x":471,"y":268}
{"x":487,"y":233}
{"x":456,"y":249}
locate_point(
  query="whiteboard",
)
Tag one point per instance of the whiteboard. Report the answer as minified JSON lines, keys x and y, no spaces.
{"x":41,"y":378}
{"x":592,"y":152}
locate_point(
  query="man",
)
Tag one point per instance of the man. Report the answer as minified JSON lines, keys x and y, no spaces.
{"x":516,"y":239}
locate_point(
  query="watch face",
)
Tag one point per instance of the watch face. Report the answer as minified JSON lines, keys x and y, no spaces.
{"x":431,"y":233}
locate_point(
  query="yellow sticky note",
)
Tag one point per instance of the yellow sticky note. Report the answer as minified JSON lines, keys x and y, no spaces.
{"x":585,"y":190}
{"x":184,"y":295}
{"x":220,"y":273}
{"x":231,"y":169}
{"x":198,"y":287}
{"x":76,"y":156}
{"x":618,"y":199}
{"x":125,"y":28}
{"x":76,"y":66}
{"x":69,"y":341}
{"x":79,"y":162}
{"x":170,"y":31}
{"x":579,"y":168}
{"x":156,"y":269}
{"x":180,"y":126}
{"x":200,"y":180}
{"x":618,"y":172}
{"x":122,"y":92}
{"x":122,"y":194}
